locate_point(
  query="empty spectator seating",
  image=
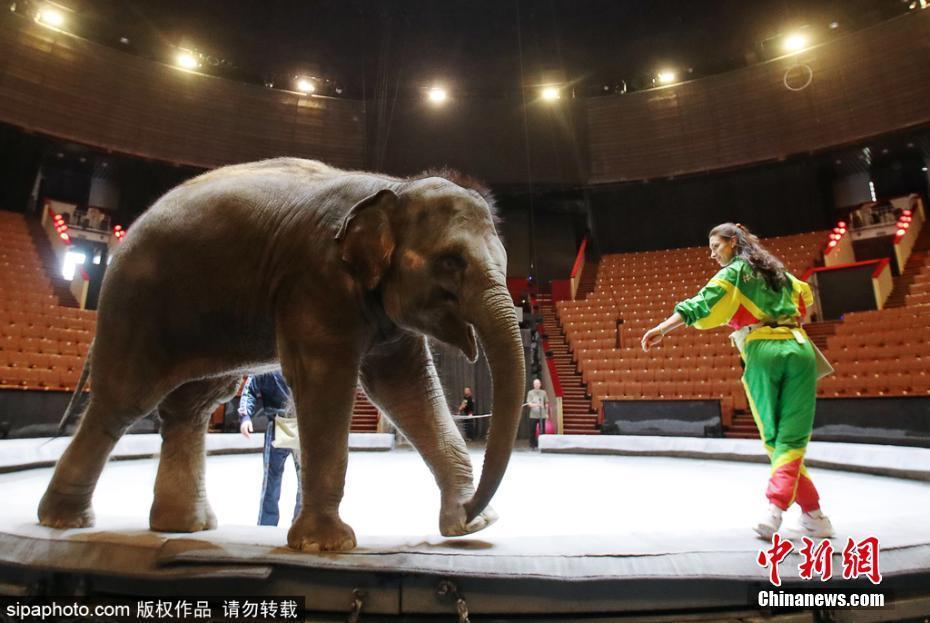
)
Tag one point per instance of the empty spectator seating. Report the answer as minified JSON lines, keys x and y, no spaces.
{"x":880,"y":353}
{"x":885,"y":352}
{"x":42,"y":344}
{"x":919,"y":293}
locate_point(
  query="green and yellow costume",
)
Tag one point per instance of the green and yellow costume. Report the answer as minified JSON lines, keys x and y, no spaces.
{"x":780,"y":374}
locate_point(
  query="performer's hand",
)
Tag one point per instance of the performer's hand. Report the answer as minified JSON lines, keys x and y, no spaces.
{"x":246,"y":429}
{"x":651,"y":338}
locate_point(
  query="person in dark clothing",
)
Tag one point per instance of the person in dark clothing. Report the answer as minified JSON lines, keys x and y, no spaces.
{"x":467,"y":407}
{"x":274,"y":394}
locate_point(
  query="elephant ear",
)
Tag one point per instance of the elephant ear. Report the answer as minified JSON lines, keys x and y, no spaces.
{"x":366,"y":238}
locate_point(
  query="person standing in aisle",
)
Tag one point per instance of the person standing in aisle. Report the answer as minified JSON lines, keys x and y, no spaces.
{"x":538,"y":402}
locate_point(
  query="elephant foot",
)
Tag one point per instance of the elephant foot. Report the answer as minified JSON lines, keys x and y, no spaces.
{"x":177,"y":518}
{"x":62,"y":511}
{"x":316,"y":533}
{"x":452,"y":520}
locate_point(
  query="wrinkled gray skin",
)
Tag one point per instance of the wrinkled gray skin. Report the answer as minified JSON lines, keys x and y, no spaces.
{"x":337,"y":275}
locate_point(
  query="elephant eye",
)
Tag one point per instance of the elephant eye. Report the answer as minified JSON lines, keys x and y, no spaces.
{"x":451,"y":263}
{"x":448,"y":296}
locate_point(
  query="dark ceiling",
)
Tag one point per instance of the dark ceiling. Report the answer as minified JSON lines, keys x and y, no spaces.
{"x":473,"y":45}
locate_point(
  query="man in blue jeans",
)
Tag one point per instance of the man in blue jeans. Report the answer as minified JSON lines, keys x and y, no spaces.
{"x":274,"y":394}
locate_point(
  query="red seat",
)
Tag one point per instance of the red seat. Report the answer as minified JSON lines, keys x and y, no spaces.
{"x":10,"y":343}
{"x":49,"y":347}
{"x":69,"y":348}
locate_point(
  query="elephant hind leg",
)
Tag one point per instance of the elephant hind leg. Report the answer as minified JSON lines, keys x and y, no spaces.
{"x":67,"y":500}
{"x":180,"y":503}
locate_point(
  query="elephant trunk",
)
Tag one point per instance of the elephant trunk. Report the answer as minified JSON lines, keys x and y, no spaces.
{"x":496,"y":323}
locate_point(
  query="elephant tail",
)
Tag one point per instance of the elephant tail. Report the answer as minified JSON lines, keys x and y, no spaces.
{"x":76,"y":396}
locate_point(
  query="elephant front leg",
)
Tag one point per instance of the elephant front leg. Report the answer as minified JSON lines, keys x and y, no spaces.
{"x":323,"y":386}
{"x":401,"y":380}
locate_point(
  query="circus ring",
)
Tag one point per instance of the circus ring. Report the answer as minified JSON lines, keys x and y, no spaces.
{"x":605,"y":527}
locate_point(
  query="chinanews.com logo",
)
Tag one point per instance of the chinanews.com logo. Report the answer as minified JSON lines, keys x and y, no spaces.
{"x":858,"y":559}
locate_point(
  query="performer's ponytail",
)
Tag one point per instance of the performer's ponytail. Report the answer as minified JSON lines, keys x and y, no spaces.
{"x":747,"y":246}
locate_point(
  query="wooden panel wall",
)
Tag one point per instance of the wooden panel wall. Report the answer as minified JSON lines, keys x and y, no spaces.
{"x":863,"y":85}
{"x":498,"y":140}
{"x":73,"y":89}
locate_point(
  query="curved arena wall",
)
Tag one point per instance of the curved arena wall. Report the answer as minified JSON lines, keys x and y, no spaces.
{"x":70,"y":88}
{"x":868,"y":83}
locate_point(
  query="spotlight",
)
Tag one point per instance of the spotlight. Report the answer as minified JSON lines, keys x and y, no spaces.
{"x":437,"y":95}
{"x":834,"y":25}
{"x":666,"y":76}
{"x":795,"y":42}
{"x":305,"y":86}
{"x":187,"y":60}
{"x":51,"y":17}
{"x":550,"y":94}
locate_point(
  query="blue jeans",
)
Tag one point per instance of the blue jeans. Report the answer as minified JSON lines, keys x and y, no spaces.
{"x":273,"y":460}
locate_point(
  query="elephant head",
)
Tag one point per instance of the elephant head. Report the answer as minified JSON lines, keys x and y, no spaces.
{"x":431,"y":249}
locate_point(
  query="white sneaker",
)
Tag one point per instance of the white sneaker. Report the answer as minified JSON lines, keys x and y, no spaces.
{"x":770,"y":523}
{"x":815,"y":524}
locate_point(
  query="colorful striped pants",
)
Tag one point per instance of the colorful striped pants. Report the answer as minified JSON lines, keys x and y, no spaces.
{"x":781,"y":384}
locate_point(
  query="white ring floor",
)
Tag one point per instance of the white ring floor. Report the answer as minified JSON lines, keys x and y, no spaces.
{"x":549,"y":504}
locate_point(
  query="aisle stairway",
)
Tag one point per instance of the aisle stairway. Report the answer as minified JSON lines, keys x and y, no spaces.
{"x":743,"y":427}
{"x":60,"y":286}
{"x":578,"y":416}
{"x":820,"y":331}
{"x":902,"y":283}
{"x":364,"y":414}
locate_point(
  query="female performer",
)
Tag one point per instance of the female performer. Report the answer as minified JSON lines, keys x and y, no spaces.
{"x":754,"y":294}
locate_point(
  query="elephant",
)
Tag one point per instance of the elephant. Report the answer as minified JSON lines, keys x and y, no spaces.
{"x":336,"y":276}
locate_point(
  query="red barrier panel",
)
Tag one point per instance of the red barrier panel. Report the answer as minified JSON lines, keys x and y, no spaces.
{"x":879,"y":266}
{"x":556,"y":384}
{"x":518,"y":288}
{"x":561,"y":290}
{"x":550,"y":363}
